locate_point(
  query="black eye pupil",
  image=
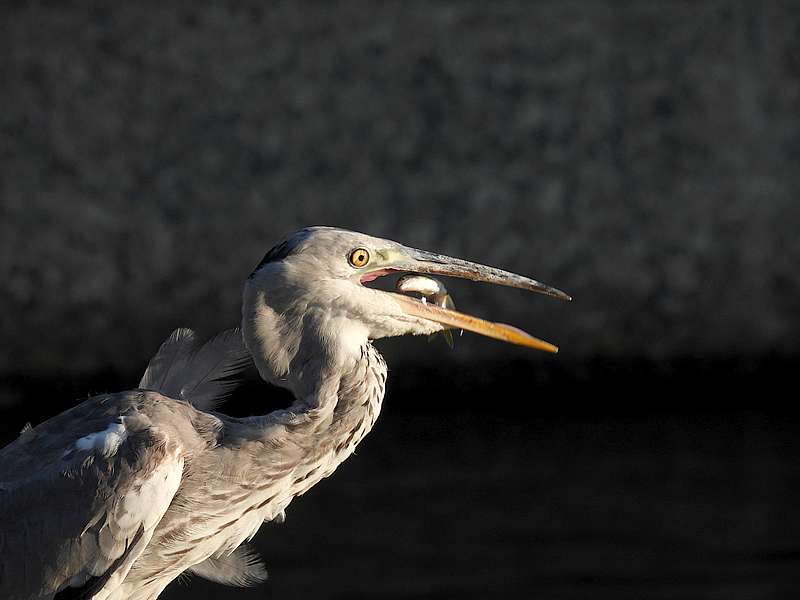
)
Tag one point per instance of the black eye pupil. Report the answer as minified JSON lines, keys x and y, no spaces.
{"x":359,"y":257}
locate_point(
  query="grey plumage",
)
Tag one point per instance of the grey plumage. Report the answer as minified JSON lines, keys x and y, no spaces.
{"x":119,"y":495}
{"x":242,"y":568}
{"x":203,"y":375}
{"x":52,"y":532}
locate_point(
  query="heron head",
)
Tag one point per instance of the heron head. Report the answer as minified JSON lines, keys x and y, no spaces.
{"x":313,"y":282}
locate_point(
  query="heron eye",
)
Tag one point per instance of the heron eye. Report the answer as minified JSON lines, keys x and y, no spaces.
{"x":359,"y":257}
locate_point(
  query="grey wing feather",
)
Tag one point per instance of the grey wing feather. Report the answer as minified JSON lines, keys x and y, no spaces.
{"x":72,"y":515}
{"x":242,"y":568}
{"x":202,"y":375}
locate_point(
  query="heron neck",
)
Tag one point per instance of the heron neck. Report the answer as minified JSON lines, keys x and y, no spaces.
{"x":335,"y":374}
{"x":291,"y":450}
{"x":341,"y":405}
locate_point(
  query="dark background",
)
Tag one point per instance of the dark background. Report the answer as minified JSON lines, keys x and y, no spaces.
{"x":643,"y":156}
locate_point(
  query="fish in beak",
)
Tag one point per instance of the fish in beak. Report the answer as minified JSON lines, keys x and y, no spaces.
{"x":430,"y":290}
{"x":411,"y":260}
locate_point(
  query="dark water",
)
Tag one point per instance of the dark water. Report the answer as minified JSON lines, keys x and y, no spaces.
{"x":667,"y":507}
{"x":504,"y":499}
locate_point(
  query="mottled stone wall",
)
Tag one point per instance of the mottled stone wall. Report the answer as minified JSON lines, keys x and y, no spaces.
{"x":644,"y":156}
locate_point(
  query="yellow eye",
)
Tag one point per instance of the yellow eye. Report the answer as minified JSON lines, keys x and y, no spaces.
{"x":359,"y":258}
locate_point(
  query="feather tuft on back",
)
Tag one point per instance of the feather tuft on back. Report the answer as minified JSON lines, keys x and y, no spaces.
{"x":202,"y":375}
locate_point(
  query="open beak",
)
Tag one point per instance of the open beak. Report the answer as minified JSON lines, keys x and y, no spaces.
{"x":419,"y":261}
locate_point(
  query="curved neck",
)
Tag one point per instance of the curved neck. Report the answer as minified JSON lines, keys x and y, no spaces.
{"x":335,"y":374}
{"x":297,"y":347}
{"x":315,"y":435}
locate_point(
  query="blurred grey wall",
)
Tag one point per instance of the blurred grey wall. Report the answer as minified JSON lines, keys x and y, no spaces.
{"x":642,"y":156}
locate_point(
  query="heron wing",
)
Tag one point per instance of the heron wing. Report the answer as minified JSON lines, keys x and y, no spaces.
{"x":80,"y":497}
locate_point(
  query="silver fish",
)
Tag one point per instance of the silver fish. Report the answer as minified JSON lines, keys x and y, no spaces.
{"x":432,"y":290}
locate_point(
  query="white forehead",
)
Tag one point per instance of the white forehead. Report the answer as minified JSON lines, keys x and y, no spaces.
{"x":329,"y":243}
{"x":329,"y":238}
{"x":326,"y":246}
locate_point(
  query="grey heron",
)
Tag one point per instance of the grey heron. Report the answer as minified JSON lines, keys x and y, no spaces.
{"x":119,"y":495}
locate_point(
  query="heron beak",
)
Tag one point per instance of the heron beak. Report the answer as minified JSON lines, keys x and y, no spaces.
{"x":419,"y":261}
